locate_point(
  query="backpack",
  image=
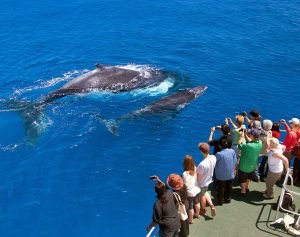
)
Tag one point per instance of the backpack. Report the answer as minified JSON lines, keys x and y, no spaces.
{"x":287,"y":202}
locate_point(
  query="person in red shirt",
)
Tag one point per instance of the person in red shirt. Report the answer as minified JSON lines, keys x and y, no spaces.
{"x":292,"y":136}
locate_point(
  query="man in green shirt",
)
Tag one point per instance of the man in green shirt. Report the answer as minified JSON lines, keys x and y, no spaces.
{"x":249,"y":158}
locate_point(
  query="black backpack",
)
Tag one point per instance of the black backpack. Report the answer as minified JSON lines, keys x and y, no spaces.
{"x":287,"y":202}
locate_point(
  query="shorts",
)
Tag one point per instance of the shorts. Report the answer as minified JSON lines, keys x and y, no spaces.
{"x":193,"y":200}
{"x":203,"y":191}
{"x":243,"y":176}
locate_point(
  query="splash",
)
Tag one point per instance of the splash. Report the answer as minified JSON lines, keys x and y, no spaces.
{"x":43,"y":84}
{"x":144,"y":70}
{"x":162,"y":88}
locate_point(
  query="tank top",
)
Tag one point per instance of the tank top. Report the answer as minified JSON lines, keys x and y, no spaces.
{"x":275,"y":164}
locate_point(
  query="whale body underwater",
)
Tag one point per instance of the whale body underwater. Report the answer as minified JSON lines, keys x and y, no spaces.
{"x":168,"y":105}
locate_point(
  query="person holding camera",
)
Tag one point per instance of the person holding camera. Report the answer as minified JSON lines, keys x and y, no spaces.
{"x":237,"y":131}
{"x":249,"y":158}
{"x":292,"y":136}
{"x":165,"y":213}
{"x":291,"y":141}
{"x":255,"y":121}
{"x":225,"y":129}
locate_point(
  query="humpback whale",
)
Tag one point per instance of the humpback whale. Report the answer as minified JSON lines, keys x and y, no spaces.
{"x":167,"y":105}
{"x":108,"y":78}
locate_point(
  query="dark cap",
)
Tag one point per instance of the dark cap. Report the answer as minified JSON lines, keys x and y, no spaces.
{"x":254,"y":132}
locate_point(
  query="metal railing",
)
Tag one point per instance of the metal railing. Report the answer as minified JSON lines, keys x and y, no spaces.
{"x":153,"y":231}
{"x":283,"y":191}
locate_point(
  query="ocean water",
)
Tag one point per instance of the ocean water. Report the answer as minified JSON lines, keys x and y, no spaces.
{"x":75,"y":178}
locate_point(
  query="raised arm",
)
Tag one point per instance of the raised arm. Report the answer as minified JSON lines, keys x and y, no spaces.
{"x":212,"y":130}
{"x":286,"y":126}
{"x":232,"y":123}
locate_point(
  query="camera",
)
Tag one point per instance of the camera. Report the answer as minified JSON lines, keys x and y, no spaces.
{"x":153,"y":177}
{"x":243,"y":113}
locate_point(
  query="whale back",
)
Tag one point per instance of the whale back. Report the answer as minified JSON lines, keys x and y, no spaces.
{"x":109,"y":78}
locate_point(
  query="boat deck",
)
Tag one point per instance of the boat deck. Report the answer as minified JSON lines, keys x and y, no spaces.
{"x":244,"y":216}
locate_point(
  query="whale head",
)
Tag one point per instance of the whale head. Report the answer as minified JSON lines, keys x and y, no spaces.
{"x":198,"y":90}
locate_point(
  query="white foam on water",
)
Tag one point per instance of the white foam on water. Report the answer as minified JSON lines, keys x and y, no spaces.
{"x":10,"y":147}
{"x":42,"y":84}
{"x":162,"y":88}
{"x":11,"y":110}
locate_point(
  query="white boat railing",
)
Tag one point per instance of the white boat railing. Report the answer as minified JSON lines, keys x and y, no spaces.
{"x":152,"y":231}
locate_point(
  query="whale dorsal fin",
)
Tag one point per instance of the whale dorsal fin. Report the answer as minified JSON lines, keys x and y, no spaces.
{"x":100,"y":66}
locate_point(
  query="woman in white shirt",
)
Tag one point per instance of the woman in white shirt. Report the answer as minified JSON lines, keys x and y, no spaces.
{"x":189,"y":177}
{"x":276,"y":162}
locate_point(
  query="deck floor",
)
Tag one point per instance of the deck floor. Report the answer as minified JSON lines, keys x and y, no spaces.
{"x":244,"y":216}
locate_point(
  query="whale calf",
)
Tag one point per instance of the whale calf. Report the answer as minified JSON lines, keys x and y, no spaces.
{"x":108,"y":78}
{"x":169,"y":104}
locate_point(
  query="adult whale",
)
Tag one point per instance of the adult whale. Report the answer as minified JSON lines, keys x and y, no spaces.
{"x":108,"y":78}
{"x":167,"y":105}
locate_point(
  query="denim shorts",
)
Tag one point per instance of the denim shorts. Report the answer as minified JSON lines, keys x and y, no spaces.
{"x":193,"y":200}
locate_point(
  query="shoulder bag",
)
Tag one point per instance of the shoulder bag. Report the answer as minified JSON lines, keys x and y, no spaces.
{"x":180,"y":207}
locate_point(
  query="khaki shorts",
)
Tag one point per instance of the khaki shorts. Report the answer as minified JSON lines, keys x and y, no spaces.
{"x":203,"y":191}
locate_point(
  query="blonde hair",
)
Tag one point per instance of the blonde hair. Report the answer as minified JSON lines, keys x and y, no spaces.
{"x":239,"y":119}
{"x":273,"y":143}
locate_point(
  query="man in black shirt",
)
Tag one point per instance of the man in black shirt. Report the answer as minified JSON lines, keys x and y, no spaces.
{"x":225,"y":129}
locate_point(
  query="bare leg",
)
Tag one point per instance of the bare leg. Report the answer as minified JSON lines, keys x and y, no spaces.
{"x":191,"y":215}
{"x":210,"y":203}
{"x":203,"y":205}
{"x":208,"y":199}
{"x":197,"y":210}
{"x":244,"y":187}
{"x":247,"y":184}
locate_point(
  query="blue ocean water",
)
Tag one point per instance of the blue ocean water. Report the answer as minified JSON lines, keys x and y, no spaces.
{"x":77,"y":179}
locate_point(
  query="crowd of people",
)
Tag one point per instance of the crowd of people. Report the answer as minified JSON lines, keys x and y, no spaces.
{"x":248,"y":150}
